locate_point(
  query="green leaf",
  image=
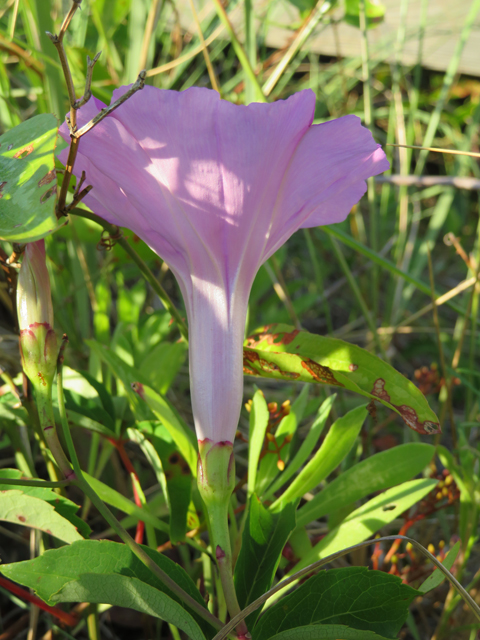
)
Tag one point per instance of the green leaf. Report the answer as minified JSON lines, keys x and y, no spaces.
{"x":437,"y":577}
{"x":103,"y":394}
{"x":119,"y":501}
{"x":306,"y":447}
{"x":82,"y":420}
{"x":327,"y":632}
{"x":55,"y":569}
{"x":369,"y":518}
{"x":256,"y":436}
{"x":381,"y":471}
{"x":179,"y":432}
{"x":144,"y":401}
{"x":172,"y":471}
{"x":354,"y":596}
{"x":284,"y":353}
{"x":64,"y":507}
{"x":269,"y":470}
{"x":131,"y":593}
{"x":19,"y":508}
{"x":162,"y":364}
{"x":126,"y":374}
{"x":304,"y":6}
{"x":264,"y":536}
{"x":374,"y":12}
{"x":28,"y":183}
{"x":338,"y":442}
{"x":90,"y":408}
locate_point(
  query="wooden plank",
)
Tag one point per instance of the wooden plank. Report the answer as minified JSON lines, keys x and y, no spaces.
{"x":445,"y":20}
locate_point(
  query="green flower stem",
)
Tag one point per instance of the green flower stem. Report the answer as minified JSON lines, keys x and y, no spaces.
{"x":146,"y":272}
{"x":32,"y":411}
{"x":114,"y":523}
{"x":220,"y":538}
{"x":47,"y":424}
{"x":216,"y":482}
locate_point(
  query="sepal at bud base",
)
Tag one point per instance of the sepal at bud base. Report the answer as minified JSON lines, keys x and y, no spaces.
{"x":216,"y":471}
{"x":39,"y":348}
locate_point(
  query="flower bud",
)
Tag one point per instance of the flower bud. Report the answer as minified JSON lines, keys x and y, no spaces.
{"x":39,"y":345}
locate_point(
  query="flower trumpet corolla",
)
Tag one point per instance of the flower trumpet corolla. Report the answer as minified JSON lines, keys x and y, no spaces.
{"x":215,"y":189}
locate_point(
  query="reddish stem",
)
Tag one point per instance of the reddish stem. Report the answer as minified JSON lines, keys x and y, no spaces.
{"x":118,"y":444}
{"x":67,"y":618}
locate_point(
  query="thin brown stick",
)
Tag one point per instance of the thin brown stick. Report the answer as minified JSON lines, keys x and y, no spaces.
{"x":451,"y":239}
{"x":137,"y":86}
{"x":88,"y":82}
{"x":75,"y":140}
{"x":187,"y":56}
{"x":469,"y":184}
{"x":208,"y":62}
{"x":28,"y":60}
{"x":466,"y":284}
{"x":301,"y":37}
{"x":78,"y":198}
{"x":58,"y":42}
{"x":67,"y":176}
{"x":472,"y":154}
{"x":147,"y":35}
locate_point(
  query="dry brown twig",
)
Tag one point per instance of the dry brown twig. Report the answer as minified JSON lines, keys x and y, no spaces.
{"x":75,"y":104}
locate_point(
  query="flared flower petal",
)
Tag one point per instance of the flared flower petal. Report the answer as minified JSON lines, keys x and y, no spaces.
{"x":215,"y":188}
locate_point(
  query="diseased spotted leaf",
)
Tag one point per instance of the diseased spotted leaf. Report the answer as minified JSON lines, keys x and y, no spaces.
{"x":64,"y":507}
{"x":19,"y":508}
{"x":28,"y":183}
{"x":282,"y":352}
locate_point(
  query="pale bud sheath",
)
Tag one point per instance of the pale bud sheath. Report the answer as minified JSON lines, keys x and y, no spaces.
{"x":34,"y":299}
{"x":39,"y":345}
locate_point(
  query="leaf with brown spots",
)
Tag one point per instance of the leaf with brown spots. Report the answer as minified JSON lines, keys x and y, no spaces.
{"x":27,"y":169}
{"x":281,"y":352}
{"x":62,"y":505}
{"x":19,"y":508}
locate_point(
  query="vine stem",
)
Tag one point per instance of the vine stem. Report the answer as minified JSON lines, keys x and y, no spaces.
{"x":113,"y":522}
{"x":220,"y":537}
{"x":145,"y":270}
{"x":47,"y":424}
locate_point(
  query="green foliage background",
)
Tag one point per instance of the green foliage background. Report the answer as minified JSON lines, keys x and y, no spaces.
{"x":367,"y":281}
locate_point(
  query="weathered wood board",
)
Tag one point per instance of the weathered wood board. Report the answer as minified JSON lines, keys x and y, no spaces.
{"x":445,"y":20}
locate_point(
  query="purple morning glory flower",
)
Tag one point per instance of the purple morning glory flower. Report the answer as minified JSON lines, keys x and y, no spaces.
{"x":215,"y":189}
